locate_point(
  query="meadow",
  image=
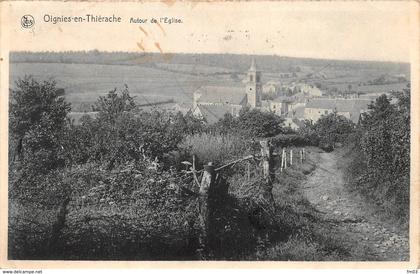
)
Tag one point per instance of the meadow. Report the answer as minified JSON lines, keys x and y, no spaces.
{"x":151,"y":78}
{"x":84,"y":83}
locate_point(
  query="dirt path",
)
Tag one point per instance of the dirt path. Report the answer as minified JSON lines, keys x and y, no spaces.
{"x":350,"y":218}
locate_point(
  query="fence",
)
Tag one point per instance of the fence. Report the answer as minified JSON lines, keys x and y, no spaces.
{"x":208,"y":184}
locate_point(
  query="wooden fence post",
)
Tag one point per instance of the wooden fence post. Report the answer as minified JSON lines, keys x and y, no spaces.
{"x":206,"y":186}
{"x":268,"y":174}
{"x":301,"y":156}
{"x":266,"y":154}
{"x":285,"y":158}
{"x":281,"y":161}
{"x":291,"y":157}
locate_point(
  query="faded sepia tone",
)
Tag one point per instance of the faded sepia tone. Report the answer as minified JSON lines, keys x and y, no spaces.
{"x":192,"y":84}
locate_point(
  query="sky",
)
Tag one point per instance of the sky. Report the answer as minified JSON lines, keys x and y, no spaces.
{"x":335,"y":30}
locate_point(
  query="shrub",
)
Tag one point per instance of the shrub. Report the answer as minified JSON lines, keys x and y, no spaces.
{"x":254,"y":123}
{"x":250,"y":124}
{"x":37,"y":120}
{"x":382,"y":163}
{"x":131,"y":213}
{"x":286,"y":140}
{"x":331,"y":129}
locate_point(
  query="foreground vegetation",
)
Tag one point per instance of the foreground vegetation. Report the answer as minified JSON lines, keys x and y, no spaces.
{"x":380,"y":169}
{"x":118,"y":187}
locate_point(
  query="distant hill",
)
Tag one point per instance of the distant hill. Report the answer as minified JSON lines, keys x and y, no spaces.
{"x":236,"y":62}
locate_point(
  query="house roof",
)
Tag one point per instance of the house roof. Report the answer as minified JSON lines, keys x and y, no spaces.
{"x":342,"y":105}
{"x":220,"y":94}
{"x":282,"y":99}
{"x":352,"y":106}
{"x":213,"y":113}
{"x":272,"y":83}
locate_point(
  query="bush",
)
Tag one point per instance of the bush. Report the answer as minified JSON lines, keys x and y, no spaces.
{"x":286,"y":140}
{"x":133,"y":213}
{"x":37,"y":120}
{"x":250,"y":124}
{"x":127,"y":135}
{"x":332,"y":129}
{"x":382,"y":163}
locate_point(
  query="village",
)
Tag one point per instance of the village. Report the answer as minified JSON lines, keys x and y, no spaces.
{"x":295,"y":102}
{"x":213,"y":188}
{"x":228,"y":135}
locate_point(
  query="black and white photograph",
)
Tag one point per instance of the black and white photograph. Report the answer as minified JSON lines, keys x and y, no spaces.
{"x":295,"y":147}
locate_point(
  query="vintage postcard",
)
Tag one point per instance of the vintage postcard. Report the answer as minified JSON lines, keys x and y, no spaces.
{"x":262,"y":134}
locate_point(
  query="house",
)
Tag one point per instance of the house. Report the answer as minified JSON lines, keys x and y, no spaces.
{"x":213,"y":113}
{"x":220,"y":95}
{"x":281,"y":104}
{"x":182,"y":107}
{"x":310,"y":90}
{"x":297,"y":111}
{"x":349,"y":108}
{"x":271,"y":88}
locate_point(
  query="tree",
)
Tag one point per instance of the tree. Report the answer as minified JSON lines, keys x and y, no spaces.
{"x":308,"y":132}
{"x":188,"y":123}
{"x":113,"y":104}
{"x":332,"y":128}
{"x":385,"y":144}
{"x":255,"y":123}
{"x":121,"y":133}
{"x":376,"y":139}
{"x":225,"y":125}
{"x":37,"y":121}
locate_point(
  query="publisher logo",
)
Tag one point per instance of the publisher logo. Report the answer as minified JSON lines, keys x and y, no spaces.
{"x":27,"y":21}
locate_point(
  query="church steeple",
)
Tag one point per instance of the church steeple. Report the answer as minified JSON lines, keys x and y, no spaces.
{"x":253,"y":66}
{"x":253,"y":86}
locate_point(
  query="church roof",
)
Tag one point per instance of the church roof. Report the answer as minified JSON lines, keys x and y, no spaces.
{"x":220,"y":94}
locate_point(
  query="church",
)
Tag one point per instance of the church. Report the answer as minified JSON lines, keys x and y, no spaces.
{"x":213,"y":102}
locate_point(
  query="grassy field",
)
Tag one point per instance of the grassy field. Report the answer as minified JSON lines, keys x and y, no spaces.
{"x":83,"y":83}
{"x":85,"y":76}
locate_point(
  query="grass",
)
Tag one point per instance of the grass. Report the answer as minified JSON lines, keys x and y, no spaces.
{"x":218,"y":149}
{"x":84,"y":83}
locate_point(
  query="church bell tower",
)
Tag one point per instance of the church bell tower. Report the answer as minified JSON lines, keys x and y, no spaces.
{"x":253,"y":86}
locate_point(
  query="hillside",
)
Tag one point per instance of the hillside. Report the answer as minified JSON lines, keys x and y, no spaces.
{"x":153,"y":77}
